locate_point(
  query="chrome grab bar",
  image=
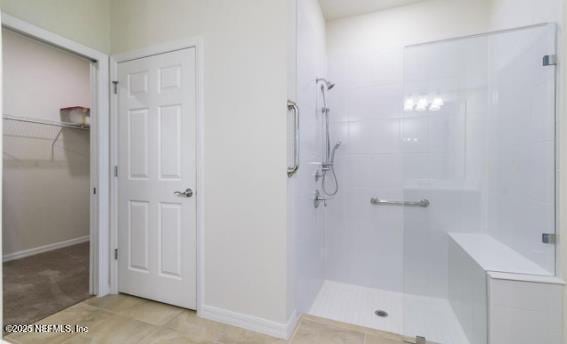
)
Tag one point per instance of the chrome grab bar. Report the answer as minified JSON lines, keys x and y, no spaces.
{"x":424,"y":203}
{"x":292,"y":106}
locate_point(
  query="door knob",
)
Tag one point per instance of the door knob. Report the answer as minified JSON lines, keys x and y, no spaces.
{"x":187,"y":193}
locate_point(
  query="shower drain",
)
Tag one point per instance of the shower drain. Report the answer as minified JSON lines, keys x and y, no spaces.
{"x":381,"y":313}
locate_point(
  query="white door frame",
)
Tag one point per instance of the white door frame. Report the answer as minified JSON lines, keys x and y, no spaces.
{"x":197,"y":44}
{"x":99,"y":144}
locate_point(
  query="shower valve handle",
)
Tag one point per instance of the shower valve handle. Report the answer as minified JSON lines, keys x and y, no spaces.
{"x":317,"y":200}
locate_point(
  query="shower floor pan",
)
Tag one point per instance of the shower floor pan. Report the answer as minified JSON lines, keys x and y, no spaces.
{"x":430,"y":317}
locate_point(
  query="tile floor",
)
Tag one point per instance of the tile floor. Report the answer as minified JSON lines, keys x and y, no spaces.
{"x":125,"y":319}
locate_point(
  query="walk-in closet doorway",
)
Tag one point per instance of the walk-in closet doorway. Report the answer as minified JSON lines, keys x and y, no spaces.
{"x":54,"y":172}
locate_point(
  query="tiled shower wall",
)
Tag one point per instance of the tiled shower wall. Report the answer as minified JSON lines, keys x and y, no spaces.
{"x":308,"y":230}
{"x":441,"y":156}
{"x":365,"y":243}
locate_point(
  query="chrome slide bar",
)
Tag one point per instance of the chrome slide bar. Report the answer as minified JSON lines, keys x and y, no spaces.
{"x":292,"y":106}
{"x":424,"y":203}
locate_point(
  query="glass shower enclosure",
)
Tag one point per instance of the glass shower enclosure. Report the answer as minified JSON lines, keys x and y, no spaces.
{"x":478,"y":140}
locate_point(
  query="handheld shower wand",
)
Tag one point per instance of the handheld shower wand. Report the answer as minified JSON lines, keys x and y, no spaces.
{"x":337,"y":145}
{"x":328,"y":164}
{"x":330,"y":167}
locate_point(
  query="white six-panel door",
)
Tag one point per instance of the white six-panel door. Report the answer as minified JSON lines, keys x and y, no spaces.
{"x":156,"y":216}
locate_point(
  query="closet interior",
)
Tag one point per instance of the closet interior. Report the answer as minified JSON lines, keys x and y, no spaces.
{"x":46,"y":178}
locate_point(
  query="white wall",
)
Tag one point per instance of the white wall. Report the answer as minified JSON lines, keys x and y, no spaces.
{"x":41,"y":79}
{"x":245,"y":94}
{"x":85,"y":21}
{"x":46,"y":198}
{"x":505,"y":14}
{"x":308,"y":224}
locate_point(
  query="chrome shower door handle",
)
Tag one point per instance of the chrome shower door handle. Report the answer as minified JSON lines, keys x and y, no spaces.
{"x":185,"y":194}
{"x":292,"y":106}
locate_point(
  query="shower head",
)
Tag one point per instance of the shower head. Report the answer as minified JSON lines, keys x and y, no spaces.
{"x":327,"y":83}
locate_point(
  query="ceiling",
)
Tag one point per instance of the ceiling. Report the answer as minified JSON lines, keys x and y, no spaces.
{"x":333,"y":9}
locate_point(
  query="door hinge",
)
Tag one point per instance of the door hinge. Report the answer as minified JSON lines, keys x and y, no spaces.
{"x":549,"y":238}
{"x":115,"y":254}
{"x":115,"y":87}
{"x":550,"y":60}
{"x":116,"y":171}
{"x":94,"y":191}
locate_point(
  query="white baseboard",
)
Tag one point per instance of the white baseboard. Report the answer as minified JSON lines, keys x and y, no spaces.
{"x":292,"y":324}
{"x":45,"y":248}
{"x":252,"y":323}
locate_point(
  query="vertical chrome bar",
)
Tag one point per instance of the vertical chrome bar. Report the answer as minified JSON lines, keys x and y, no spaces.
{"x":292,"y":106}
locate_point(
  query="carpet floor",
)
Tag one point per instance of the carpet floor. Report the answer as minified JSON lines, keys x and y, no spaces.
{"x":38,"y":286}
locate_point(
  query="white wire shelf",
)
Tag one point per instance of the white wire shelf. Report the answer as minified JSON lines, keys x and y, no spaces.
{"x":57,"y":124}
{"x":45,"y":122}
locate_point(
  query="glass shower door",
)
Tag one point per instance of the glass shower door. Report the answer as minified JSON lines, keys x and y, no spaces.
{"x":478,"y":143}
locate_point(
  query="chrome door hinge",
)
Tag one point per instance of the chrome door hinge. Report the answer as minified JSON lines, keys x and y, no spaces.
{"x":94,"y":191}
{"x":116,"y":171}
{"x":115,"y":254}
{"x":115,"y":86}
{"x":549,"y":238}
{"x":550,"y":60}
